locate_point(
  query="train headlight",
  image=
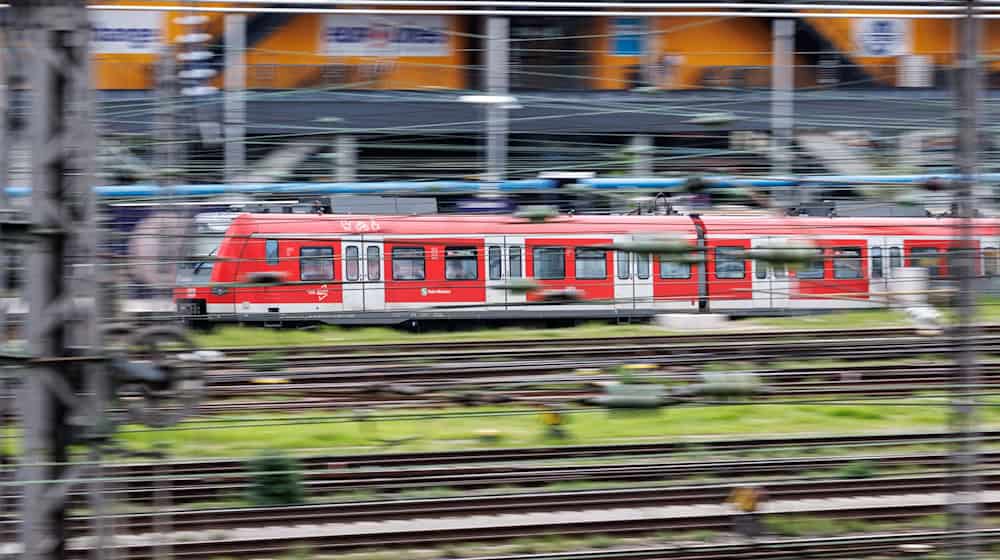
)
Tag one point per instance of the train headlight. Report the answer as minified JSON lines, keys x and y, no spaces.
{"x":219,"y":291}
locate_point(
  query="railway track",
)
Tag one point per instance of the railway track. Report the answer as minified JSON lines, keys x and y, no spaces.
{"x":686,"y":349}
{"x":524,"y":502}
{"x":659,"y":340}
{"x":340,"y":391}
{"x":203,"y":481}
{"x":260,"y":532}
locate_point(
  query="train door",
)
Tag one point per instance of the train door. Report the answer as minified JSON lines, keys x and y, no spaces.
{"x":633,"y":280}
{"x":881,"y":261}
{"x":362,"y":273}
{"x":504,"y":262}
{"x":642,"y":279}
{"x":624,"y":280}
{"x":771,"y":285}
{"x":497,"y":293}
{"x":373,"y":264}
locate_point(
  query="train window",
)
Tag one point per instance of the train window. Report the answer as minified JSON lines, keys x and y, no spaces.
{"x":460,"y":263}
{"x":812,"y":270}
{"x":271,"y":251}
{"x":549,"y":263}
{"x":729,"y":262}
{"x":374,"y":263}
{"x":622,"y":262}
{"x":876,"y":262}
{"x":990,"y":261}
{"x":514,"y":262}
{"x":761,"y":269}
{"x":642,"y":266}
{"x":407,"y":263}
{"x":316,"y":263}
{"x":591,"y":264}
{"x":895,"y":258}
{"x":674,"y":270}
{"x":927,"y":257}
{"x":352,"y":258}
{"x":847,"y":263}
{"x":496,"y":263}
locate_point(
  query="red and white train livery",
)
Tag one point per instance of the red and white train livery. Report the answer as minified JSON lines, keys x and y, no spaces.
{"x":390,"y":269}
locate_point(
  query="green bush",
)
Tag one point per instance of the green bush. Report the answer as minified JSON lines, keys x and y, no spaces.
{"x":264,"y":362}
{"x":857,"y":469}
{"x":276,"y":479}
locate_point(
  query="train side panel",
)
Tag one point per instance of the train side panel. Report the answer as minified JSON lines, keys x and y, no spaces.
{"x":421,"y":272}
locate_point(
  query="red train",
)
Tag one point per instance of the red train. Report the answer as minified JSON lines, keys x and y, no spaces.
{"x":392,"y":269}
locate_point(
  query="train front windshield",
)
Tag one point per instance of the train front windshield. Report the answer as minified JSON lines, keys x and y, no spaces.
{"x":196,"y":267}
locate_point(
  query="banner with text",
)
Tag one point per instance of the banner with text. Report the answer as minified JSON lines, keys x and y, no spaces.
{"x":126,"y":32}
{"x":882,"y":37}
{"x":376,"y":35}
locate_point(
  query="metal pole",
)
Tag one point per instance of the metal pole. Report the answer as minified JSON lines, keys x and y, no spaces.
{"x":63,"y":318}
{"x":497,"y":83}
{"x":641,"y":146}
{"x":965,"y":500}
{"x":166,"y":88}
{"x":235,"y":100}
{"x":781,"y":96}
{"x":347,"y":158}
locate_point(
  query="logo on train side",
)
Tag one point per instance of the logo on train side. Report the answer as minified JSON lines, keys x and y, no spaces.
{"x":360,"y":226}
{"x":320,"y":292}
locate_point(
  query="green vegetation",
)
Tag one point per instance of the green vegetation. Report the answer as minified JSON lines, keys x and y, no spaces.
{"x":813,"y":526}
{"x":276,"y":480}
{"x":839,"y":320}
{"x":243,"y":337}
{"x":987,"y":312}
{"x":459,"y":428}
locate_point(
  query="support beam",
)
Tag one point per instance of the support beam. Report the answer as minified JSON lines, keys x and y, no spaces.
{"x":497,"y":83}
{"x":166,"y":154}
{"x":62,"y":283}
{"x":641,"y":147}
{"x":235,"y":97}
{"x":347,"y":158}
{"x":782,"y":73}
{"x":964,"y":508}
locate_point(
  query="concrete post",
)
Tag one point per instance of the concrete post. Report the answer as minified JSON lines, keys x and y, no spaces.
{"x":782,"y":116}
{"x":497,"y":82}
{"x":641,"y":146}
{"x":347,"y":158}
{"x":235,"y":96}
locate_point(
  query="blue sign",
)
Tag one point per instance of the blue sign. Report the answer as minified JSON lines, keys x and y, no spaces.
{"x":361,"y":35}
{"x":628,"y":38}
{"x":882,"y":37}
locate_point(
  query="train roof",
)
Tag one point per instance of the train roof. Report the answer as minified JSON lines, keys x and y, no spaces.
{"x":444,"y":224}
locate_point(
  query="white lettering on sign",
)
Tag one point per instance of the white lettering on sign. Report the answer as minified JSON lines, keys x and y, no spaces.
{"x":381,"y":35}
{"x":360,"y":226}
{"x":320,"y":292}
{"x":426,"y":291}
{"x":126,"y":32}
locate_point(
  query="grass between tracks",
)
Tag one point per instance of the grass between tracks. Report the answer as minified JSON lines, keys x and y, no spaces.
{"x":464,"y":428}
{"x":239,"y":337}
{"x":227,"y":337}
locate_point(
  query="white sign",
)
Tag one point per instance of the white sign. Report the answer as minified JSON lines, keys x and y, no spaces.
{"x":377,"y":35}
{"x":125,"y":32}
{"x":882,"y":37}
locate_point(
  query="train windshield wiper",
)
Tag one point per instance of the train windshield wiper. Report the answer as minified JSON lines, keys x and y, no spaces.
{"x":200,"y":264}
